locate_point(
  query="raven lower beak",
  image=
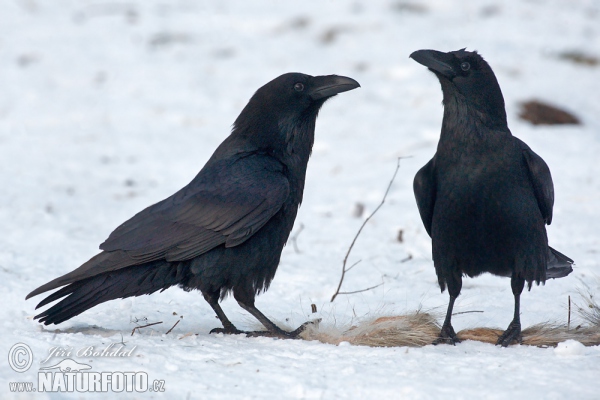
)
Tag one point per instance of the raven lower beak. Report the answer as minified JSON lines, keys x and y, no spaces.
{"x":330,"y":85}
{"x":436,"y":61}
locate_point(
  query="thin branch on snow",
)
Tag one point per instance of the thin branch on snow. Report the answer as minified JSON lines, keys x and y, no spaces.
{"x":144,"y":326}
{"x":353,"y":265}
{"x":344,"y":269}
{"x":294,"y":238}
{"x":466,"y":312}
{"x":362,"y":290}
{"x":122,"y":340}
{"x":169,"y":331}
{"x":569,"y":318}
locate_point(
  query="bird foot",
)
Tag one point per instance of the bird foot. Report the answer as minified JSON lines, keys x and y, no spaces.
{"x":231,"y":330}
{"x":447,"y":336}
{"x":512,"y":333}
{"x":281,"y":334}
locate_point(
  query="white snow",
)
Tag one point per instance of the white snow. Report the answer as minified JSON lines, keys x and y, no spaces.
{"x":107,"y":107}
{"x":570,"y":348}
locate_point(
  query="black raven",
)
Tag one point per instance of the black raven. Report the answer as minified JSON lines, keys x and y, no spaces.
{"x":485,"y":196}
{"x":223,"y":232}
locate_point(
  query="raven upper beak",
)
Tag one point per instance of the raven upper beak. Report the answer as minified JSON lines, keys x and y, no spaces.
{"x":330,"y":85}
{"x":436,"y":61}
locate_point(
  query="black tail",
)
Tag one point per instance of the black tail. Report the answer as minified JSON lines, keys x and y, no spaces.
{"x":127,"y":282}
{"x":559,"y":265}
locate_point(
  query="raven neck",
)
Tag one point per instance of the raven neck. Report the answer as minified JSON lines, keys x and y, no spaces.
{"x":299,"y":138}
{"x":289,"y":141}
{"x":466,"y":129}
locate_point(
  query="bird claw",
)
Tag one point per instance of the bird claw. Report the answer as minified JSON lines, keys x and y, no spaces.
{"x":447,"y":336}
{"x":278,"y":335}
{"x":305,"y":325}
{"x":228,"y":331}
{"x":512,"y":333}
{"x":281,"y":334}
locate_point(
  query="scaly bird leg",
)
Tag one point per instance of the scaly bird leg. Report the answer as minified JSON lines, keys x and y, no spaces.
{"x":513,"y":332}
{"x":447,"y":334}
{"x":272,"y":329}
{"x":228,"y":327}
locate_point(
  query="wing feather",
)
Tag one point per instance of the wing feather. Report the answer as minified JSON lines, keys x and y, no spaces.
{"x":425,"y":192}
{"x":541,"y":179}
{"x":226,"y":203}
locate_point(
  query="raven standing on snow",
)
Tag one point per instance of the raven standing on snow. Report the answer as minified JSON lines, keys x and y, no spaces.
{"x":485,"y":196}
{"x":223,"y":232}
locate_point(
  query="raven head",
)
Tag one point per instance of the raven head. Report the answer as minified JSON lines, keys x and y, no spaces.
{"x":294,"y":94}
{"x":280,"y":117}
{"x":466,"y":77}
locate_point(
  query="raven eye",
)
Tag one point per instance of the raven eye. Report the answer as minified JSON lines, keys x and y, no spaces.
{"x":298,"y":87}
{"x":465,"y":66}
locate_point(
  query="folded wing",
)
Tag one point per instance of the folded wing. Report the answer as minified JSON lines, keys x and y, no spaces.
{"x":226,"y":203}
{"x":540,"y":177}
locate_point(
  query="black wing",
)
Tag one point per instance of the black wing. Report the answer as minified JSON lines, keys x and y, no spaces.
{"x":540,"y":177}
{"x":226,"y":203}
{"x":424,"y":187}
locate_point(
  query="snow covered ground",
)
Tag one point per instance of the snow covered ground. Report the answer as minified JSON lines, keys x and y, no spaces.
{"x":107,"y":107}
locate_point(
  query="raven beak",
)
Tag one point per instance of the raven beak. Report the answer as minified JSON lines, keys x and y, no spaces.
{"x":330,"y":85}
{"x":436,"y":61}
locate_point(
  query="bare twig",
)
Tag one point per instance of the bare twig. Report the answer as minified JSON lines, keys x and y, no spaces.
{"x":353,"y":265}
{"x":569,"y":318}
{"x":590,"y":309}
{"x":144,"y":326}
{"x":344,"y":270}
{"x":135,"y":320}
{"x":294,"y":238}
{"x":466,"y":312}
{"x":361,"y":290}
{"x":408,"y":258}
{"x":169,"y":331}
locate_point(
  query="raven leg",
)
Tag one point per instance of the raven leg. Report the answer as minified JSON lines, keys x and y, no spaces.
{"x":228,"y":327}
{"x":447,"y":334}
{"x":272,"y":329}
{"x":513,"y":332}
{"x":247,"y":303}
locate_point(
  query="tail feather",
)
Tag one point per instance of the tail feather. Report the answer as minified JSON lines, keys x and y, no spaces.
{"x":82,"y":296}
{"x":127,"y":282}
{"x":101,"y":263}
{"x":559,"y":265}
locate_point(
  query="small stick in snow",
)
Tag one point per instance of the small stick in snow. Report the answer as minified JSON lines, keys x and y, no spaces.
{"x":344,"y":270}
{"x":408,"y":258}
{"x":466,"y":312}
{"x":144,"y":326}
{"x":353,"y":265}
{"x":361,"y":290}
{"x":295,"y":237}
{"x":569,"y":318}
{"x":169,"y":331}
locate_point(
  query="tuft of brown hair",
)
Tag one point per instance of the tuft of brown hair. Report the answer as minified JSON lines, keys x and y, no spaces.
{"x":413,"y":330}
{"x":420,"y":329}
